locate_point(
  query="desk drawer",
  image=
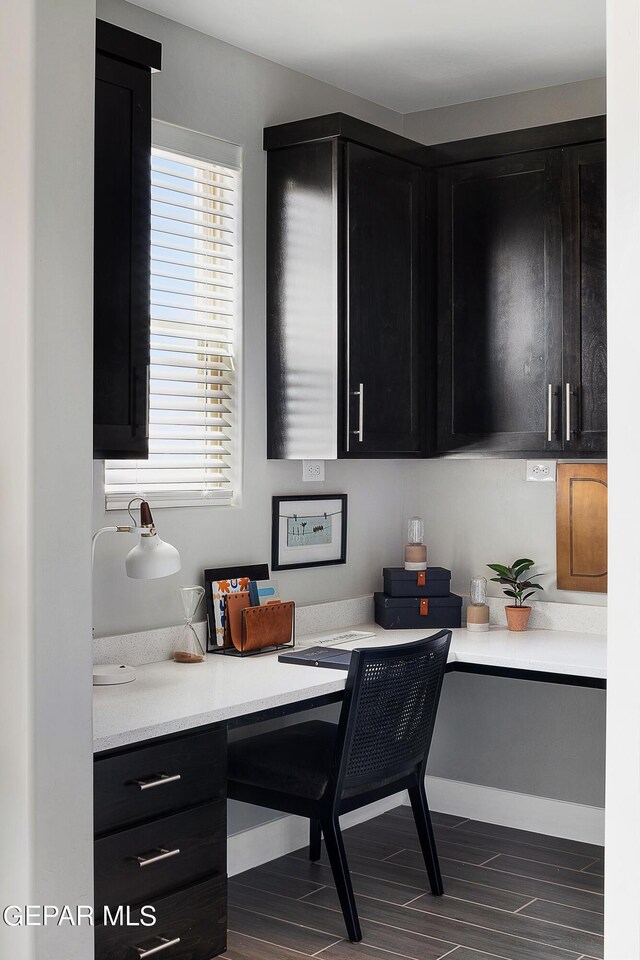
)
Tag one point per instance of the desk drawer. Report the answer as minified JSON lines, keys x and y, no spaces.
{"x":198,"y":835}
{"x":196,"y":918}
{"x":156,"y":779}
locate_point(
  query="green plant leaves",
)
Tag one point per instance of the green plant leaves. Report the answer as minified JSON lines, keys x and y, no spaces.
{"x":511,"y":577}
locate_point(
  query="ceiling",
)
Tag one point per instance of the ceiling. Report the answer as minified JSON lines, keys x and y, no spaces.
{"x":412,"y":54}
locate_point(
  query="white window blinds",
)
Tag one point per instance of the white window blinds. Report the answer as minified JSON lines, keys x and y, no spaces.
{"x":194,"y":327}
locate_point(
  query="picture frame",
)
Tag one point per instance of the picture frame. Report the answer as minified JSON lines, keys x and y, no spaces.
{"x":233,"y":575}
{"x":308,"y":531}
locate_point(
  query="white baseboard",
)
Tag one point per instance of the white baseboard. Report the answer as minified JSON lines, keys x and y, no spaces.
{"x":558,"y":818}
{"x":267,"y":841}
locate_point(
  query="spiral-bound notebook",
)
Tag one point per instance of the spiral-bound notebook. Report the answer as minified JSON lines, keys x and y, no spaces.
{"x":318,"y":657}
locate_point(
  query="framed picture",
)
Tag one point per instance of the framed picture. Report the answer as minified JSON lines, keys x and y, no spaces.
{"x":219,"y":582}
{"x":308,"y":531}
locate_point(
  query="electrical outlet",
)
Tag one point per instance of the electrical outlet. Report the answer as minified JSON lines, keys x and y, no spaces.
{"x":313,"y":470}
{"x":541,"y":470}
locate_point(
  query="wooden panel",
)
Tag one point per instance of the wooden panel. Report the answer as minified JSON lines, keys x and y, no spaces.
{"x":121,"y":258}
{"x":196,"y":918}
{"x":585,"y":297}
{"x":302,"y":302}
{"x":340,"y":125}
{"x":581,"y":527}
{"x":500,"y":304}
{"x":384,"y":303}
{"x":518,"y":141}
{"x":198,"y":834}
{"x":199,"y":759}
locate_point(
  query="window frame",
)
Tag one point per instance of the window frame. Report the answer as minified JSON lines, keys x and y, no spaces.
{"x":200,"y":146}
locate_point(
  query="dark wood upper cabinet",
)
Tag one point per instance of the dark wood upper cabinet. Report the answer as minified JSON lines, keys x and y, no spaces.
{"x":124,"y":63}
{"x":520,"y":290}
{"x":585,"y":300}
{"x":345,"y":291}
{"x":500,"y":304}
{"x":385,"y":318}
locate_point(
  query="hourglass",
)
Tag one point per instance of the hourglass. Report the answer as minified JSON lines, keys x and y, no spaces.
{"x":189,"y":649}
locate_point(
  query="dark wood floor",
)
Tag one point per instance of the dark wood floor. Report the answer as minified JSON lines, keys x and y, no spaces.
{"x":508,"y":894}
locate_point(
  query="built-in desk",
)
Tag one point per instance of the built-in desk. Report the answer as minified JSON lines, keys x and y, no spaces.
{"x":160,"y":767}
{"x":168,"y":697}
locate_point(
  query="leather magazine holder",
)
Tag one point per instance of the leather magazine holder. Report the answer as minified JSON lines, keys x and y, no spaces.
{"x":235,"y":603}
{"x":272,"y":625}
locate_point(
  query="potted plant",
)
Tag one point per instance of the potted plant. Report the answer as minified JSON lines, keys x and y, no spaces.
{"x":518,"y":588}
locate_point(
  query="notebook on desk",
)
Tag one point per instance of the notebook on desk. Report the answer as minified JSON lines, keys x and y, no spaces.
{"x":318,"y":657}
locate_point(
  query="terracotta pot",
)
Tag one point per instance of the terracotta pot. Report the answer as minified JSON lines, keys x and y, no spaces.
{"x":517,"y":617}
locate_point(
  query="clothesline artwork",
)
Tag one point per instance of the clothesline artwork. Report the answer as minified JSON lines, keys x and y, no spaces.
{"x":309,"y":531}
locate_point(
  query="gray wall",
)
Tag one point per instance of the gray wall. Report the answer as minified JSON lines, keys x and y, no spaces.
{"x":533,"y":108}
{"x":46,"y":828}
{"x":214,"y":88}
{"x":484,"y":511}
{"x":533,"y":738}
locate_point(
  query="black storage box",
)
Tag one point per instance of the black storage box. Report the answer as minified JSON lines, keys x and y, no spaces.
{"x":432,"y":582}
{"x":416,"y":613}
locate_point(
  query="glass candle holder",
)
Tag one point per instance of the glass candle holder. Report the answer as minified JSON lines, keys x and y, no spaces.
{"x":415,"y":531}
{"x":478,"y":591}
{"x":415,"y":552}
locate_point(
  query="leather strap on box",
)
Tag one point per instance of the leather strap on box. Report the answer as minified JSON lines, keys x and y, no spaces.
{"x":424,"y":606}
{"x":422,"y":578}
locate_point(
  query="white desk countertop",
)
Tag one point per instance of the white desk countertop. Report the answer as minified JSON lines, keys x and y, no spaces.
{"x":168,"y":697}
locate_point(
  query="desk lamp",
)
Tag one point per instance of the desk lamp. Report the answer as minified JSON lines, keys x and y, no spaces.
{"x":150,"y":559}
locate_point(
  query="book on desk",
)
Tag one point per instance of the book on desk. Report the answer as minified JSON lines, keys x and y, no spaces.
{"x":318,"y":657}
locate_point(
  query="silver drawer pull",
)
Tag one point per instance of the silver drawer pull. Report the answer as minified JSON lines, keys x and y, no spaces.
{"x":163,"y":945}
{"x":162,"y":854}
{"x":550,"y":414}
{"x":567,"y":412}
{"x":158,"y":781}
{"x":359,"y":433}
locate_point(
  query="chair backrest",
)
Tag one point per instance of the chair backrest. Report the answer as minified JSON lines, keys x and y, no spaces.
{"x":389,"y":711}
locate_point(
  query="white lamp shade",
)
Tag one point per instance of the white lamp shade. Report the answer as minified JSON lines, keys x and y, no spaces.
{"x":152,"y":558}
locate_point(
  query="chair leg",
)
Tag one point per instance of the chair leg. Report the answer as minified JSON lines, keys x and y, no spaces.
{"x":342,"y":877}
{"x":315,"y":840}
{"x":420,"y":807}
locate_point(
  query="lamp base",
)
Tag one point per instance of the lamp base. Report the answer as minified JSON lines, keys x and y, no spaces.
{"x":111,"y":673}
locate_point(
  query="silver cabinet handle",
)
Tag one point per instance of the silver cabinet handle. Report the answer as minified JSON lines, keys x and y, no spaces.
{"x":550,"y":414}
{"x":158,"y":781}
{"x":163,"y":945}
{"x":568,"y":412}
{"x":161,"y":855}
{"x":359,"y":433}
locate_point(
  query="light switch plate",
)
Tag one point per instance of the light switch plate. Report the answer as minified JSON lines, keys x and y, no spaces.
{"x":544,"y":470}
{"x":313,"y":470}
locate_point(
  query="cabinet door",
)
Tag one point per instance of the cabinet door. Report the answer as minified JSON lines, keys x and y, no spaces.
{"x":382,"y":349}
{"x":581,"y":526}
{"x":499,"y":292}
{"x":121,"y":257}
{"x":585,"y":300}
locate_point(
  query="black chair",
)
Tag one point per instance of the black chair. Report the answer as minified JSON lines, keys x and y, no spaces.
{"x":379,"y":747}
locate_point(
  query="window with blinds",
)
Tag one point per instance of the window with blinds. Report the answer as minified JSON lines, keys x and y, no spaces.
{"x":194,"y":327}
